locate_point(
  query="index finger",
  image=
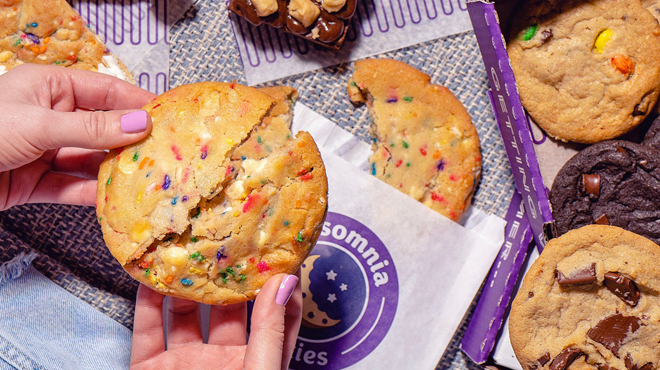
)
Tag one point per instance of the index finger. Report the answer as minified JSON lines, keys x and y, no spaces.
{"x":65,"y":89}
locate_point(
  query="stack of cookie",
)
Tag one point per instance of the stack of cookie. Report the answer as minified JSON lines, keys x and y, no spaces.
{"x":588,"y":72}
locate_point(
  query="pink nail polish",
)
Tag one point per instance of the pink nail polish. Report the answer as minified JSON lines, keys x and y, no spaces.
{"x":134,"y":122}
{"x":286,"y":289}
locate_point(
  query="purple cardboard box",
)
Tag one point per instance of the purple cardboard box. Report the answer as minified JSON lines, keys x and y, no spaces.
{"x":486,"y":322}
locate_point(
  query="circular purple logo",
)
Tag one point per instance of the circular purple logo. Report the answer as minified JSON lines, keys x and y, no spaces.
{"x":350,"y":295}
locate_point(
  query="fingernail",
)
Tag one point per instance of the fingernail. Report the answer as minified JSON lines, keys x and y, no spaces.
{"x":286,"y":289}
{"x":134,"y":122}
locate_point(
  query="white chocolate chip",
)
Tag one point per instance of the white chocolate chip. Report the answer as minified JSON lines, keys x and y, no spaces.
{"x":237,"y":191}
{"x":265,"y":7}
{"x":262,"y":238}
{"x":62,"y":34}
{"x":5,"y":55}
{"x":174,"y":259}
{"x":333,"y":5}
{"x":456,"y":132}
{"x":127,"y":165}
{"x":304,"y":11}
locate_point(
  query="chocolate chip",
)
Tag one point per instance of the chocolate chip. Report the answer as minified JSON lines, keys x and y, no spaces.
{"x":580,"y":277}
{"x":590,"y":184}
{"x":603,"y":367}
{"x":546,"y":35}
{"x":602,"y":220}
{"x":613,"y":330}
{"x":622,"y":287}
{"x":530,"y":295}
{"x":544,"y":359}
{"x":565,"y":358}
{"x":631,"y":365}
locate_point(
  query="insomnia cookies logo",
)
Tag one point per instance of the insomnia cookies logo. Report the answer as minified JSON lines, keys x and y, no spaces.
{"x":350,"y":296}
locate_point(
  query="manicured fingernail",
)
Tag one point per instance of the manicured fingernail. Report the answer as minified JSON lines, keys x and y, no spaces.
{"x":134,"y":122}
{"x":286,"y":289}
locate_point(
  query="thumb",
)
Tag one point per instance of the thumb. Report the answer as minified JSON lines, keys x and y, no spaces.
{"x":95,"y":129}
{"x":267,"y":330}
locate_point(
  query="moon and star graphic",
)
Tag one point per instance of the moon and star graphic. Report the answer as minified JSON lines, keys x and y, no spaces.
{"x":334,"y":292}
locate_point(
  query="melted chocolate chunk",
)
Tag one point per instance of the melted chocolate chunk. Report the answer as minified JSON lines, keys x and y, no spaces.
{"x":629,"y":191}
{"x":622,"y":287}
{"x":612,"y":331}
{"x":546,"y":35}
{"x":544,"y":359}
{"x":602,"y":220}
{"x":638,"y":111}
{"x":580,"y":277}
{"x":590,"y":184}
{"x":565,"y":358}
{"x":331,"y":27}
{"x":631,"y":365}
{"x":604,"y":367}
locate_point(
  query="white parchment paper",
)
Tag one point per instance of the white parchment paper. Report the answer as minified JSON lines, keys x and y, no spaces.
{"x":137,"y":33}
{"x":378,"y":26}
{"x":440,"y":264}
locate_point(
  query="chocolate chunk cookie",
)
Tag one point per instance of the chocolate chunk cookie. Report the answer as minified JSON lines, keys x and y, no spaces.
{"x":587,"y":71}
{"x":187,"y":217}
{"x":616,"y":183}
{"x":590,"y":301}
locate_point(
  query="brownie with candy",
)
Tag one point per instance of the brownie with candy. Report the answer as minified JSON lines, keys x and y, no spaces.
{"x":324,"y":22}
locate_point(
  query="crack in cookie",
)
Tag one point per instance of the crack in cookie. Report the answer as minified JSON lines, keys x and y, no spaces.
{"x":226,"y":199}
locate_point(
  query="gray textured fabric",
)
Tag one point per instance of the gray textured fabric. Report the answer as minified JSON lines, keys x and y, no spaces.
{"x":68,"y":240}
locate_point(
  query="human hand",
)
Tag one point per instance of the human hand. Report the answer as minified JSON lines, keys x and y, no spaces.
{"x":273,"y":332}
{"x":54,"y":122}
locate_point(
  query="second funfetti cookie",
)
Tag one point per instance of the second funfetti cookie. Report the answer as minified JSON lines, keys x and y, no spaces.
{"x":183,"y":217}
{"x":590,"y":301}
{"x":587,"y":70}
{"x":425,"y":144}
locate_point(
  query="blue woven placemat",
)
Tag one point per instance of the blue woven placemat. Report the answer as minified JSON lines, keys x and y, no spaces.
{"x":68,"y":240}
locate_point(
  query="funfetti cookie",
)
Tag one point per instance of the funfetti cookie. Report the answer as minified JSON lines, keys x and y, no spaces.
{"x":275,"y":129}
{"x":424,"y":142}
{"x":587,"y":71}
{"x":183,"y":217}
{"x":52,"y":33}
{"x":590,"y":301}
{"x":614,"y":182}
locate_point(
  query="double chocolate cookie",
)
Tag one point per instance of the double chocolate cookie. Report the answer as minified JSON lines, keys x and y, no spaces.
{"x":218,"y":198}
{"x":590,"y":301}
{"x":652,"y":137}
{"x":611,"y":183}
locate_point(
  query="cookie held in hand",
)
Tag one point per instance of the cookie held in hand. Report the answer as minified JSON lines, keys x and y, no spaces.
{"x":184,"y":216}
{"x":590,"y":301}
{"x":424,"y":142}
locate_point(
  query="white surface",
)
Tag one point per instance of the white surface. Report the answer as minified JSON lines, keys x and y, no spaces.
{"x":378,"y":26}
